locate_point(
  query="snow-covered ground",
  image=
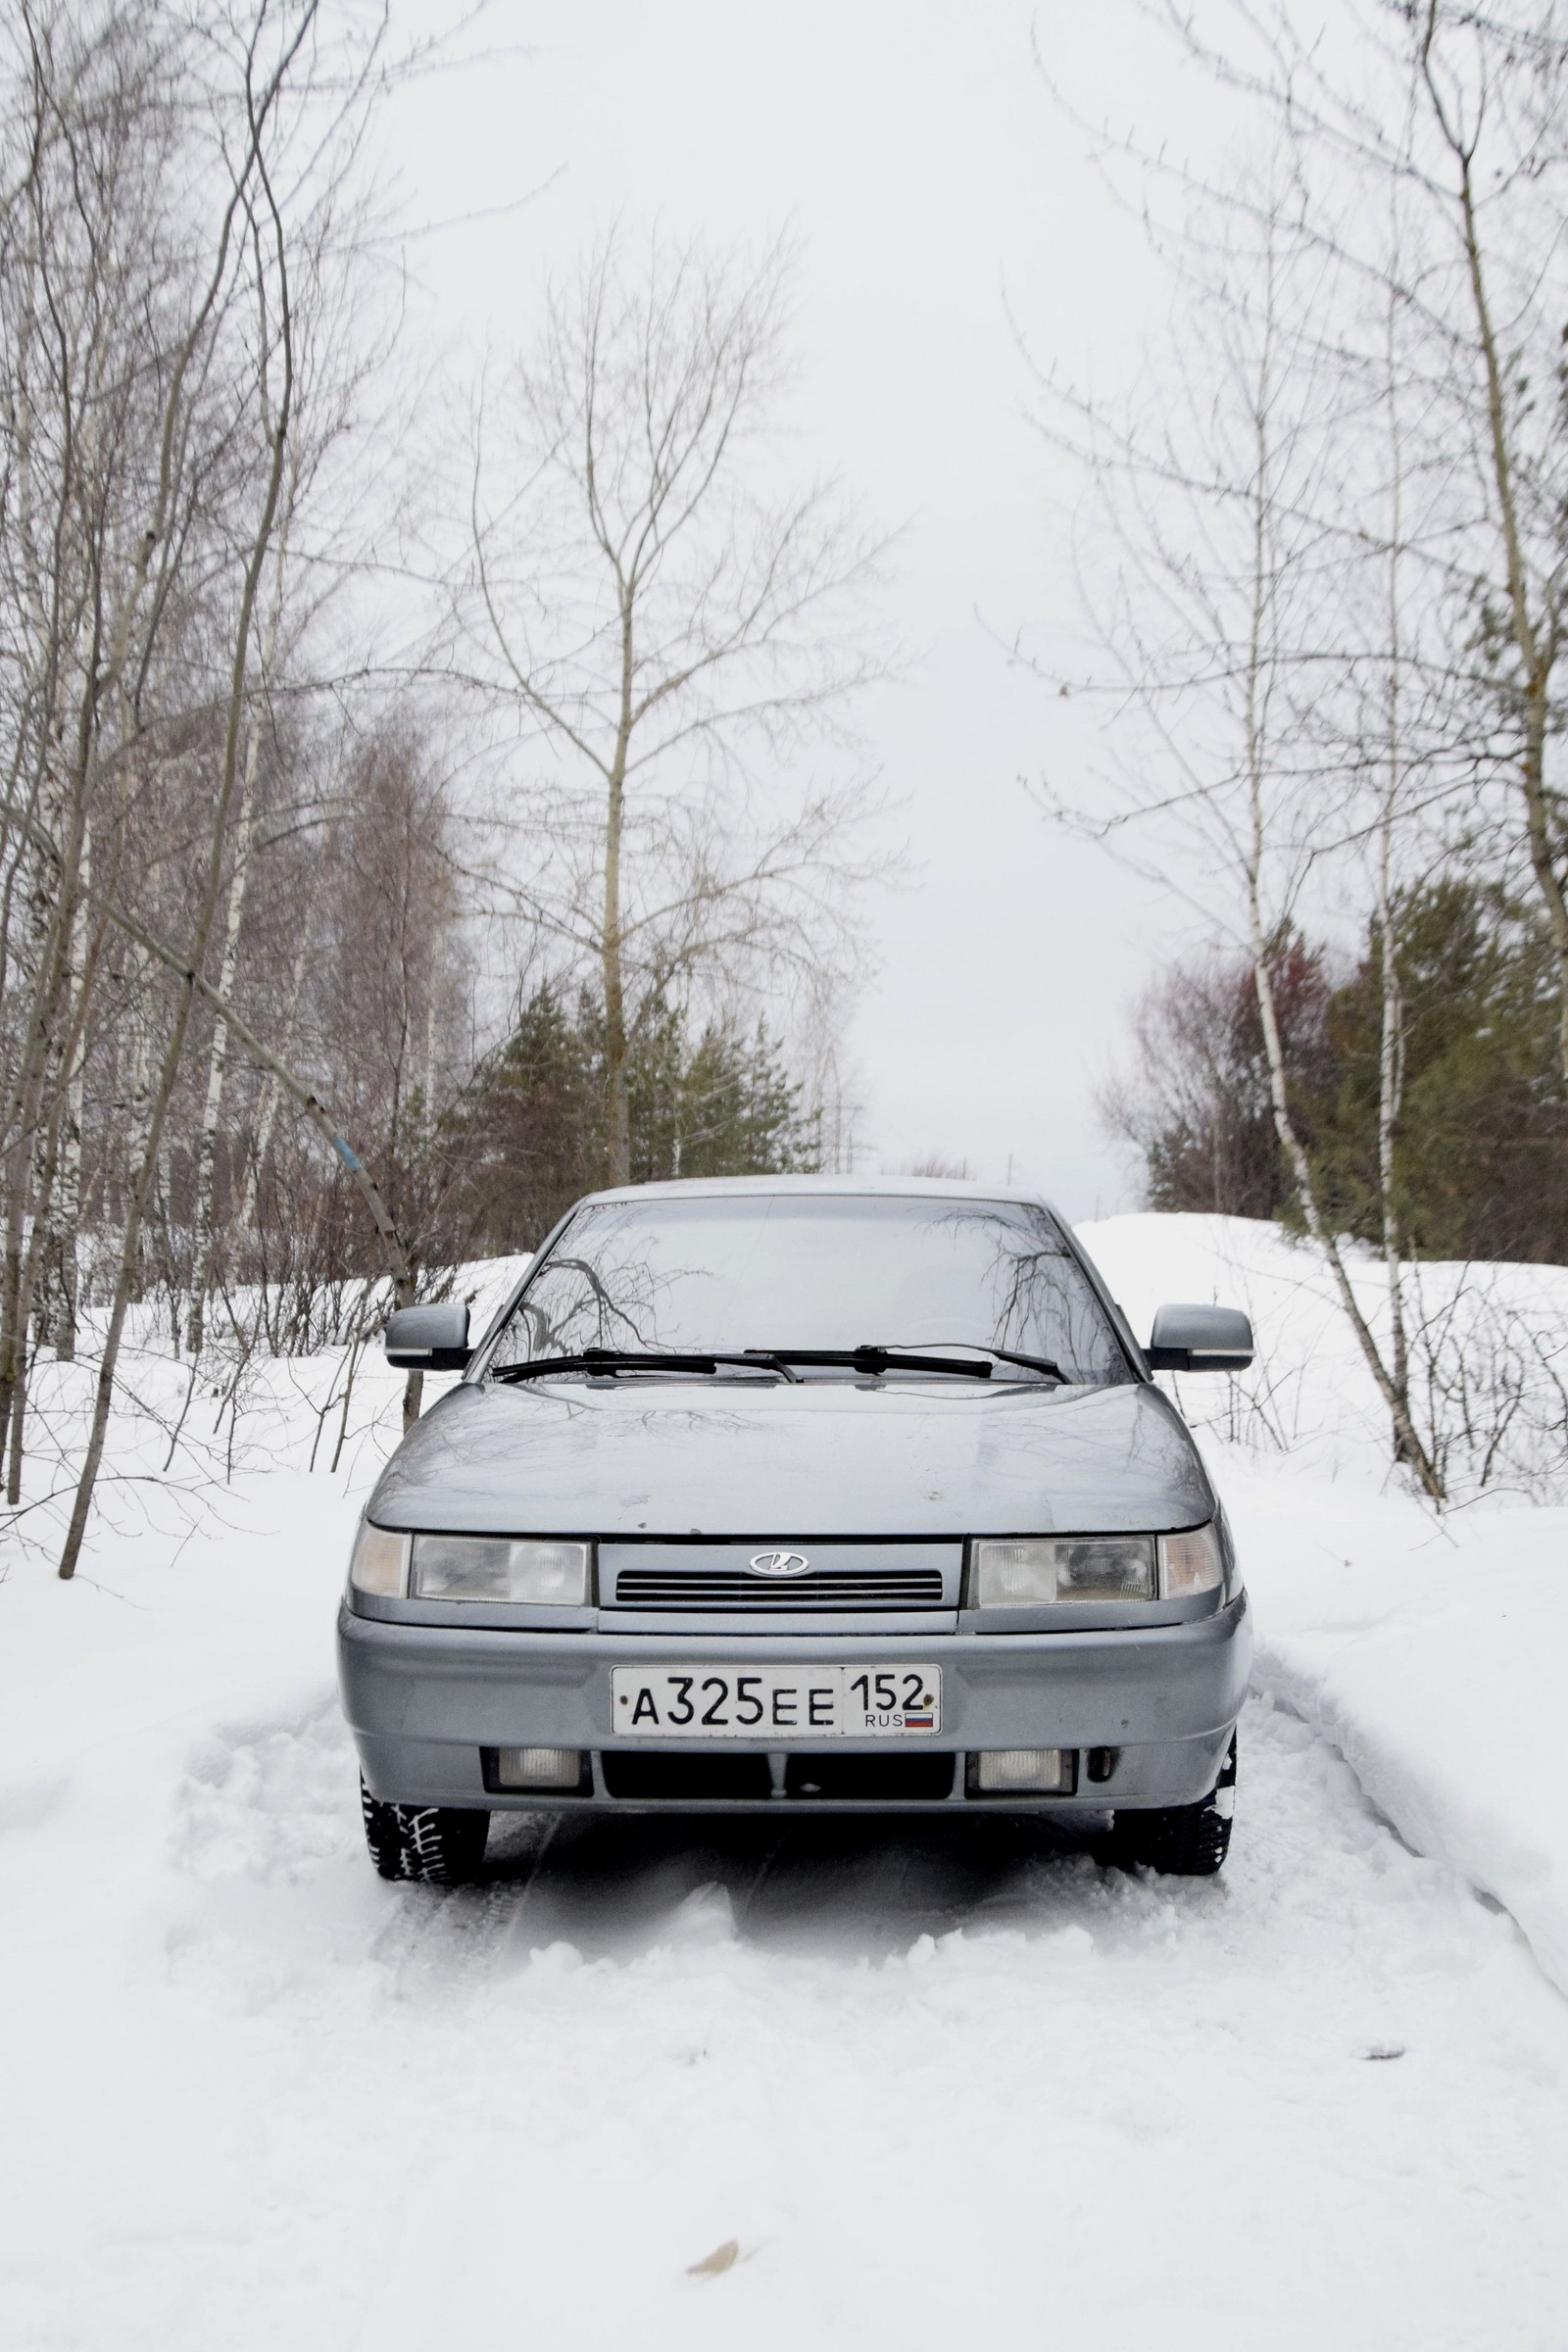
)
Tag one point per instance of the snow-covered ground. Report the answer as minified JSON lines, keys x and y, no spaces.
{"x":1433,"y":1650}
{"x":929,"y":2080}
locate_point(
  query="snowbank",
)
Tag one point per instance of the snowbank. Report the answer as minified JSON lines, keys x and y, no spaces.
{"x":253,"y":2096}
{"x":1489,"y":1352}
{"x":256,"y":2097}
{"x":1437,"y":1669}
{"x":184,"y":1436}
{"x":1433,"y":1651}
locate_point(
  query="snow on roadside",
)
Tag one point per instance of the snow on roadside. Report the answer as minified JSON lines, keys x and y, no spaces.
{"x":1432,"y":1651}
{"x":256,"y":2097}
{"x":185,"y":1438}
{"x":1476,"y":1332}
{"x":253,"y":2096}
{"x":1436,"y":1662}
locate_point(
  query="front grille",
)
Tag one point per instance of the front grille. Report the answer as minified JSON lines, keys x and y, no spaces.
{"x":867,"y":1589}
{"x":631,"y":1772}
{"x":870,"y":1779}
{"x":650,"y":1776}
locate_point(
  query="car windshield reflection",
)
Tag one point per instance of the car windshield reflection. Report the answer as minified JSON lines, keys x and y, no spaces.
{"x":716,"y":1275}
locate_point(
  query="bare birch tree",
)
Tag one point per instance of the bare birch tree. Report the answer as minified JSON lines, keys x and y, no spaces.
{"x":1231,"y":511}
{"x":1495,"y":86}
{"x":656,"y":615}
{"x":174,"y":181}
{"x":1459,"y":114}
{"x":180,"y":225}
{"x":202,"y":1227}
{"x":252,"y":195}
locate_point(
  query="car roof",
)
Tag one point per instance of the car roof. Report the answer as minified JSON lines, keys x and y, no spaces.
{"x":917,"y":1188}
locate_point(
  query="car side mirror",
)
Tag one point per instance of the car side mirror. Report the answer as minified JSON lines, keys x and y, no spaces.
{"x":1199,"y":1339}
{"x":429,"y":1338}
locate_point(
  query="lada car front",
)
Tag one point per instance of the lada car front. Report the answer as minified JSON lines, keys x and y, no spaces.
{"x":794,"y":1495}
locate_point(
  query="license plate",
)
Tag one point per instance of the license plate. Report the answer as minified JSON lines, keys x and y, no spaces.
{"x":785,"y":1705}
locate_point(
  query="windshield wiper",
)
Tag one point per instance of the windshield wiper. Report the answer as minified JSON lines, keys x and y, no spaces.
{"x":1010,"y":1355}
{"x":875,"y":1357}
{"x":610,"y":1360}
{"x":870,"y":1360}
{"x":873,"y":1361}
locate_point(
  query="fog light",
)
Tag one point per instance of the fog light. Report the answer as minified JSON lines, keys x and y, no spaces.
{"x":538,"y":1766}
{"x":1000,"y":1770}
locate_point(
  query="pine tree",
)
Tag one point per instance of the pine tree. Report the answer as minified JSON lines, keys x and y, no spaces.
{"x":533,"y":1132}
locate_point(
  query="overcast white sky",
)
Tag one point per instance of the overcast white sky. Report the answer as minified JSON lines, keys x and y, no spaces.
{"x":912,"y":147}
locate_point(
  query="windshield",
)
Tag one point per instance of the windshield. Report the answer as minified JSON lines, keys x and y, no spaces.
{"x":839,"y":1271}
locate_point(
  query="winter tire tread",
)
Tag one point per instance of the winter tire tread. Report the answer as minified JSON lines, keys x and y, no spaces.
{"x":438,"y":1845}
{"x":1183,"y":1841}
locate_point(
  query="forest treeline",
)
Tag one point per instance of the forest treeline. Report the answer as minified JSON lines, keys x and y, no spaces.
{"x":525,"y":1136}
{"x":1321,"y":546}
{"x":400,"y":832}
{"x":1482,"y":1165}
{"x":424,"y":799}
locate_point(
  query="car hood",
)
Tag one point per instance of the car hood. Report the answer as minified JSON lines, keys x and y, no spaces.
{"x":820,"y":1458}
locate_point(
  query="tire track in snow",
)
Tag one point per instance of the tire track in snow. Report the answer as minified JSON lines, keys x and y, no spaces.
{"x":939,"y":2069}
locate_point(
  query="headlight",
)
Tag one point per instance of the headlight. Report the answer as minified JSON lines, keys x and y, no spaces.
{"x":1191,"y":1563}
{"x":380,"y":1561}
{"x":1020,"y":1572}
{"x":510,"y":1568}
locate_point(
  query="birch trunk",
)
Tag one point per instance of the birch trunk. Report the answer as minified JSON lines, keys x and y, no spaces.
{"x":204,"y":1232}
{"x":67,"y":1257}
{"x":202,"y":1227}
{"x":1535,"y":628}
{"x":276,"y":443}
{"x":1390,"y":1037}
{"x":273,"y":1091}
{"x":45,"y":1242}
{"x":617,"y":1104}
{"x":1255,"y":747}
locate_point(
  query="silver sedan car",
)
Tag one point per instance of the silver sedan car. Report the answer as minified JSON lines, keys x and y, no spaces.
{"x":799,"y":1495}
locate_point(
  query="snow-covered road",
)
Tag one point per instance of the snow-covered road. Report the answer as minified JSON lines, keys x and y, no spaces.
{"x":938,"y":2082}
{"x":941,"y":2082}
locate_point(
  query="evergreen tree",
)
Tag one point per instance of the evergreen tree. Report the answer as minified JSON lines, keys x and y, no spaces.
{"x":532,"y":1131}
{"x":528,"y":1133}
{"x":1481,"y":1142}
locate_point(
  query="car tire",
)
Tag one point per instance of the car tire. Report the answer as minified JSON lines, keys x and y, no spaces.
{"x":441,"y":1844}
{"x":1182,"y":1842}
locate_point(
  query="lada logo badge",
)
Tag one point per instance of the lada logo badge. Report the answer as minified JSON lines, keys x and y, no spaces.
{"x":778,"y":1563}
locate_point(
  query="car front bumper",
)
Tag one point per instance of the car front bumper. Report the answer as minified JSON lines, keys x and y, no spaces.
{"x":1156,"y":1706}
